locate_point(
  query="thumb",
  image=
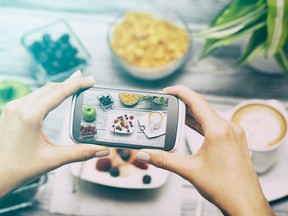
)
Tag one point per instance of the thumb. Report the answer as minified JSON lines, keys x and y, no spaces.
{"x":176,"y":163}
{"x":61,"y":155}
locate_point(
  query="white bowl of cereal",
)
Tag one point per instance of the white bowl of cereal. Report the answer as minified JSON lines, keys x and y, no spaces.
{"x":129,"y":99}
{"x":150,"y":45}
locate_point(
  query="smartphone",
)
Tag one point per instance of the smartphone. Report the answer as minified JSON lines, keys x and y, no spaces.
{"x":127,"y":119}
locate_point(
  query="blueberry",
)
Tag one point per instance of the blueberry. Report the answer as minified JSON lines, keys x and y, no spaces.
{"x":36,"y":47}
{"x":146,"y":179}
{"x":114,"y":171}
{"x":42,"y":57}
{"x":58,"y":54}
{"x":46,"y":39}
{"x":64,"y":38}
{"x":125,"y":154}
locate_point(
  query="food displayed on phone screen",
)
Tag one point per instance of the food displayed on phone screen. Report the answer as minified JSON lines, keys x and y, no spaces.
{"x":123,"y":124}
{"x":124,"y":117}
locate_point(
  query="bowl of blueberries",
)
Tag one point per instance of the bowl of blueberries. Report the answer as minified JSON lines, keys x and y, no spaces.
{"x":57,"y":51}
{"x":106,"y":101}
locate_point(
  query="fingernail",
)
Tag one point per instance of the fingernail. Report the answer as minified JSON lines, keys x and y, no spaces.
{"x":75,"y":74}
{"x":90,"y":78}
{"x":143,"y":156}
{"x":102,"y":153}
{"x":165,"y":90}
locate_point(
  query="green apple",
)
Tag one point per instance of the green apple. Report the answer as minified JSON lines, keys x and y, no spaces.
{"x":11,"y":90}
{"x":89,"y":113}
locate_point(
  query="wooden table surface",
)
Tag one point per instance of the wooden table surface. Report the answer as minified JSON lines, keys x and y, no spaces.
{"x":215,"y":77}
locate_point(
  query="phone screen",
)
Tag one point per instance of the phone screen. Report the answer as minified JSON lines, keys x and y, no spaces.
{"x":125,"y":118}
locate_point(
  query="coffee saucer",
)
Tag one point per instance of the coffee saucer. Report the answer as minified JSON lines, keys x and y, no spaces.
{"x":273,"y":182}
{"x":145,"y":127}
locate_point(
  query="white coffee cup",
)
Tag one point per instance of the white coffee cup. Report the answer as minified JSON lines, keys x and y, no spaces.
{"x":155,"y":120}
{"x":265,"y":123}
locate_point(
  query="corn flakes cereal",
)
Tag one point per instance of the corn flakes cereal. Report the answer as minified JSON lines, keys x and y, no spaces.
{"x":149,"y":42}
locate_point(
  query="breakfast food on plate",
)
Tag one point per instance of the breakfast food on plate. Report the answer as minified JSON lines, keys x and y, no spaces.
{"x":89,"y":113}
{"x":103,"y":164}
{"x":125,"y":154}
{"x":129,"y":99}
{"x":140,"y":164}
{"x":114,"y":171}
{"x":146,"y":41}
{"x":10,"y":90}
{"x":56,"y":56}
{"x":147,"y":179}
{"x":123,"y":124}
{"x":122,"y":162}
{"x":88,"y":131}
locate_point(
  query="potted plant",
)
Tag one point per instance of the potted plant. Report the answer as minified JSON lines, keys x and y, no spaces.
{"x":265,"y":22}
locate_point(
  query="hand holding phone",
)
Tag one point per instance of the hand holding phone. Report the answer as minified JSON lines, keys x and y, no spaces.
{"x":127,"y":119}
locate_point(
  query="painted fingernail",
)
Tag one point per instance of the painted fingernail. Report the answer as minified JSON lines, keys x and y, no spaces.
{"x":143,"y":156}
{"x":102,"y":153}
{"x":75,"y":74}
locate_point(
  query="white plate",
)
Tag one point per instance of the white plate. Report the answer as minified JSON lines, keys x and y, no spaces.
{"x":131,"y":181}
{"x":274,"y":183}
{"x":113,"y":117}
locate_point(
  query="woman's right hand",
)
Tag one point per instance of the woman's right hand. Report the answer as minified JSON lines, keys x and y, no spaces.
{"x":221,"y":170}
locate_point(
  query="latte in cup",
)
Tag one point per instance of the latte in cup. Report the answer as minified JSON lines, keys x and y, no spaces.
{"x":264,"y":126}
{"x":155,"y":119}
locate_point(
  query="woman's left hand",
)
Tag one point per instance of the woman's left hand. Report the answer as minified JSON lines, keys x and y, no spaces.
{"x":25,"y":150}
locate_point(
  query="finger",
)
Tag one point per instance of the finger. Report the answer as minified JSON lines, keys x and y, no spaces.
{"x":200,"y":108}
{"x":60,"y":155}
{"x":165,"y":160}
{"x":54,"y":94}
{"x":38,"y":93}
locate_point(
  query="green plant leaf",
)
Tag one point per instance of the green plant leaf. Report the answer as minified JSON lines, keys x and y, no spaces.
{"x":147,"y":99}
{"x":162,"y":101}
{"x":212,"y":45}
{"x":282,"y":57}
{"x":233,"y":26}
{"x":255,"y":46}
{"x":277,"y":22}
{"x":233,"y":11}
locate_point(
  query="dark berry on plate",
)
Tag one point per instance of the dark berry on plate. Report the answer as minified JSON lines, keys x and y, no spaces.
{"x":103,"y":164}
{"x":127,"y":126}
{"x":125,"y":154}
{"x":114,"y":171}
{"x":131,"y":117}
{"x":128,"y":131}
{"x":131,"y":125}
{"x":146,"y":179}
{"x":140,"y":164}
{"x":115,"y":121}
